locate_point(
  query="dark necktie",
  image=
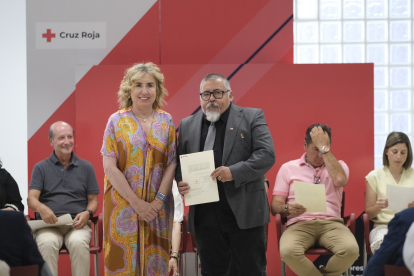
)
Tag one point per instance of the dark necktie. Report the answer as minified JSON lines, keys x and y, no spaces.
{"x":211,"y":136}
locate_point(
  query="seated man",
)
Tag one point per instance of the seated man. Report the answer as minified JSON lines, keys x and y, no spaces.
{"x":391,"y":249}
{"x":61,"y":184}
{"x":317,"y":165}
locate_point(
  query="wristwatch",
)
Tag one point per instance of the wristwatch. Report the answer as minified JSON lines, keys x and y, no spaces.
{"x":325,"y":149}
{"x":90,"y":213}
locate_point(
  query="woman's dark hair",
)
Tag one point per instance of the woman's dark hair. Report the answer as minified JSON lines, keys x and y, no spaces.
{"x":1,"y":164}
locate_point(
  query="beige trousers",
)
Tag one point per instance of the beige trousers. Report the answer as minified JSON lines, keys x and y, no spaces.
{"x":50,"y":240}
{"x":328,"y":233}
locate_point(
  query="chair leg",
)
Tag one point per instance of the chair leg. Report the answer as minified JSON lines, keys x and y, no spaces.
{"x":365,"y":255}
{"x":96,"y":257}
{"x":180,"y":264}
{"x":283,"y":268}
{"x":196,"y":263}
{"x":183,"y":259}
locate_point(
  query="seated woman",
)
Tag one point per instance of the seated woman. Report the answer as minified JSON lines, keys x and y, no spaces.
{"x":10,"y":198}
{"x":397,"y":159}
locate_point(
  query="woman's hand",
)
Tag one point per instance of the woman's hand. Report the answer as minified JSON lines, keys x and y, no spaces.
{"x":157,"y":203}
{"x":173,"y":265}
{"x":146,"y":211}
{"x":296,"y":209}
{"x":382,"y":203}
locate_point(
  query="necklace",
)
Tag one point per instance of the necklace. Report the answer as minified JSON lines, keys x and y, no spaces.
{"x":144,"y":119}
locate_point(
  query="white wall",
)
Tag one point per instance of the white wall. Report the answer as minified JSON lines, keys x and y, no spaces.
{"x":13,"y":93}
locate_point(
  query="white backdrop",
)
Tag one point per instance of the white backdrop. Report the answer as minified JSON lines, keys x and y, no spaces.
{"x":13,"y":94}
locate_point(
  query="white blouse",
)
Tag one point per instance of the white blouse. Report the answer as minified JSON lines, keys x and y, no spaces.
{"x":178,"y":204}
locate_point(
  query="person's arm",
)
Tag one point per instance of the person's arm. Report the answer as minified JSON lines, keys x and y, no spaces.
{"x":279,"y":207}
{"x":175,"y":247}
{"x":390,"y":248}
{"x":166,"y":185}
{"x":168,"y":175}
{"x":183,"y":187}
{"x":145,"y":210}
{"x":408,"y":249}
{"x":335,"y":170}
{"x":82,"y":218}
{"x":259,"y":162}
{"x":373,"y":204}
{"x":45,"y":212}
{"x":14,"y":200}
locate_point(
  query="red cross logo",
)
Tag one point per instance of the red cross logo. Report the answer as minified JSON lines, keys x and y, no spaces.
{"x":48,"y":35}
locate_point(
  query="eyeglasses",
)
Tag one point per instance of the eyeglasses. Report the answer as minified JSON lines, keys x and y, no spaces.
{"x":316,"y":179}
{"x":218,"y":94}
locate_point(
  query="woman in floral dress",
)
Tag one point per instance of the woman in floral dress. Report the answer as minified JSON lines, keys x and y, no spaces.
{"x":139,"y":157}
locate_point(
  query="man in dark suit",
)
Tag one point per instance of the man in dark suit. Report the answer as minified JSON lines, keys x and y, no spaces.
{"x":391,"y":249}
{"x":17,"y":246}
{"x":232,"y":229}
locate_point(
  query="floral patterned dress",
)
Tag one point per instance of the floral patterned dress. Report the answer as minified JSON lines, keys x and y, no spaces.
{"x":133,"y":246}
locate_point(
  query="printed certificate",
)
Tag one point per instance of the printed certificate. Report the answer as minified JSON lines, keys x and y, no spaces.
{"x":310,"y":196}
{"x":196,"y":169}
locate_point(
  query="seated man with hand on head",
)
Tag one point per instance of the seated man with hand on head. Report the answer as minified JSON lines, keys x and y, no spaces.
{"x":317,"y":165}
{"x":61,"y":184}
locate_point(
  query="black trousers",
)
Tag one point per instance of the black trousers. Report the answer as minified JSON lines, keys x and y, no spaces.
{"x":225,"y":244}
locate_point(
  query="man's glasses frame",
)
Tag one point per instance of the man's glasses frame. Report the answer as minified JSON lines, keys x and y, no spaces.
{"x":217,"y":94}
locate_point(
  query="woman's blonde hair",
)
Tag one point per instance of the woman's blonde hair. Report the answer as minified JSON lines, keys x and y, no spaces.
{"x":132,"y":75}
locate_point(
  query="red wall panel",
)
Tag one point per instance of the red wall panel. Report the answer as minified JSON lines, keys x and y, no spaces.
{"x":222,"y":32}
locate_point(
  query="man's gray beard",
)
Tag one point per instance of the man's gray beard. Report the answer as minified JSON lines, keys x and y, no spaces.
{"x":212,"y":116}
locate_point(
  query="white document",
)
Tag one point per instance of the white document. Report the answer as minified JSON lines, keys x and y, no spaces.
{"x":399,"y":197}
{"x":62,"y":220}
{"x":310,"y":196}
{"x":196,"y":169}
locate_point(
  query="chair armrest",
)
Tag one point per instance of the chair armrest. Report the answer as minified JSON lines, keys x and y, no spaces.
{"x":366,"y":233}
{"x":352,"y":223}
{"x":97,"y":222}
{"x":100,"y":232}
{"x":184,"y":232}
{"x":278,"y":228}
{"x":193,"y":244}
{"x":181,"y":248}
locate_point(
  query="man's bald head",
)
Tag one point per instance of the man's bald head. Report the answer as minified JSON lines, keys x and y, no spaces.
{"x":57,"y":124}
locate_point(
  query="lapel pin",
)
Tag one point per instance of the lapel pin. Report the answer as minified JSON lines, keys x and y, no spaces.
{"x":241,"y":135}
{"x":231,"y":128}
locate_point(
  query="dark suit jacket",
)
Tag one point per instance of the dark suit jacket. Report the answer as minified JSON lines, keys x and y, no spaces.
{"x":248,"y":152}
{"x":390,"y":251}
{"x":17,"y":246}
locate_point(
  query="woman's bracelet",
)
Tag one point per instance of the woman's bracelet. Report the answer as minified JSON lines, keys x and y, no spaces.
{"x":174,"y":252}
{"x":175,"y":257}
{"x":161,"y":196}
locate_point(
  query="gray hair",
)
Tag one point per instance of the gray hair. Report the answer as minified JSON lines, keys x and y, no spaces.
{"x":215,"y":76}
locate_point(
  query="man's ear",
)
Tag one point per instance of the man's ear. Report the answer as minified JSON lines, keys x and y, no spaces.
{"x":305,"y":146}
{"x":231,"y":96}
